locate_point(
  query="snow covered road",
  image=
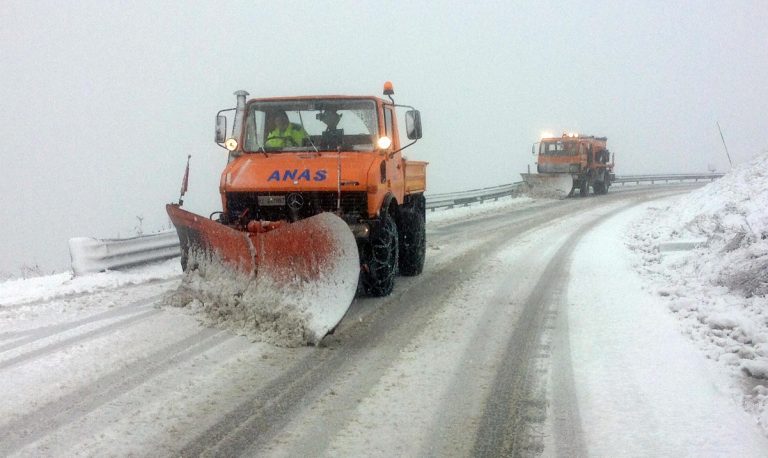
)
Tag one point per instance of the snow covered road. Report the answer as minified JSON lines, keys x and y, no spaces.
{"x":641,"y":387}
{"x":528,"y":333}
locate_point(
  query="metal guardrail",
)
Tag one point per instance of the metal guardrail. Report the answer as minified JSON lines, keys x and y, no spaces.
{"x":91,"y":255}
{"x":637,"y":179}
{"x":94,"y":255}
{"x":451,"y":199}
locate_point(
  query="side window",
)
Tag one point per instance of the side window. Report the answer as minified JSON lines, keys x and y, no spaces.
{"x":254,"y":132}
{"x":388,"y":122}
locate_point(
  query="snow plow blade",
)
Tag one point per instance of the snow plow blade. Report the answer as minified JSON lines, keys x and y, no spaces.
{"x":559,"y":185}
{"x":308,"y":269}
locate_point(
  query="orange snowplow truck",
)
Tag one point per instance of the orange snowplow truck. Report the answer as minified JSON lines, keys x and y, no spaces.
{"x":573,"y":162}
{"x":305,"y":176}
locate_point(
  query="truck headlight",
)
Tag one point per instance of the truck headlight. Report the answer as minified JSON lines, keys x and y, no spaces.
{"x":231,"y":144}
{"x":384,"y":142}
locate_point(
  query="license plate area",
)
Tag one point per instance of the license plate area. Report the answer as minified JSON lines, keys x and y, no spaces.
{"x":271,"y":201}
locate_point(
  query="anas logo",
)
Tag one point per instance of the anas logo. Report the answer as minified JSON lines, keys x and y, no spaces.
{"x":297,"y":175}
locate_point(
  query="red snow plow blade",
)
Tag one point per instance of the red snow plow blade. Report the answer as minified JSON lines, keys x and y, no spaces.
{"x":308,"y":269}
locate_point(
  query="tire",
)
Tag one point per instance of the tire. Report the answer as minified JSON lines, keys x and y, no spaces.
{"x":413,"y":246}
{"x":599,"y":187}
{"x":584,"y":188}
{"x":380,"y":255}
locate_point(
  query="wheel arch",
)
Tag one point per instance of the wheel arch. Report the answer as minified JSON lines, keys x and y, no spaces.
{"x":390,"y":205}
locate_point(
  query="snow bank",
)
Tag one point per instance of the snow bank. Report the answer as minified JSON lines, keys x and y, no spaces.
{"x":718,"y":288}
{"x":21,"y":291}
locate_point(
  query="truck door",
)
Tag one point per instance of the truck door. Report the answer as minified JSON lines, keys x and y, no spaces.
{"x":394,"y":164}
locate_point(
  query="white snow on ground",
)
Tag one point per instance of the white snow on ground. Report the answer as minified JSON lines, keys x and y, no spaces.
{"x":643,"y":388}
{"x":644,"y":383}
{"x":479,"y":310}
{"x":716,"y":291}
{"x":62,"y":284}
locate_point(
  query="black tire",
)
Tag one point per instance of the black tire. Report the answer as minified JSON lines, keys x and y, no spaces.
{"x":584,"y":188}
{"x":413,"y":246}
{"x":380,"y":257}
{"x":599,"y":187}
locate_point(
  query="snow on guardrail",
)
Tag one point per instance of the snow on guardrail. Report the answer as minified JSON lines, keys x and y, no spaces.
{"x":452,"y":199}
{"x":95,"y":255}
{"x":91,"y":255}
{"x":667,"y":178}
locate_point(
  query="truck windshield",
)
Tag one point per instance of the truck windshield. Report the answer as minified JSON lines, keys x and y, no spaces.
{"x":559,"y":148}
{"x":311,"y":125}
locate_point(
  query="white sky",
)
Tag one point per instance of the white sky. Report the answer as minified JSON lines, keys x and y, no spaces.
{"x":103,"y":100}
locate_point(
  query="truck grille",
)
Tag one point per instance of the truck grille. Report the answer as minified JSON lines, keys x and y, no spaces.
{"x":291,"y":206}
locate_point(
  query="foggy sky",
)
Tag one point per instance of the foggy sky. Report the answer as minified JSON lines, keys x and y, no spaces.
{"x":103,"y":100}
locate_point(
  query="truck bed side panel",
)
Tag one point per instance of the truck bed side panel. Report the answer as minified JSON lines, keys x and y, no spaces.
{"x":415,"y":176}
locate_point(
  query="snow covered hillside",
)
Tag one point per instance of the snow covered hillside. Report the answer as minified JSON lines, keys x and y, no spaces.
{"x":718,"y":288}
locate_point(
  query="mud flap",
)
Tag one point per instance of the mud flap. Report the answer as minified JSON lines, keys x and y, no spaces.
{"x":307,"y":270}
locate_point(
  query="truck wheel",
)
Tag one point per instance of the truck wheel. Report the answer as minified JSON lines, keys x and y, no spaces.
{"x":599,"y":187}
{"x":584,"y":188}
{"x":413,"y":245}
{"x":380,"y":257}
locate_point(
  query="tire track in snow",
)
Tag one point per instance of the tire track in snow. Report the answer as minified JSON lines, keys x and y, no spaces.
{"x":504,"y":426}
{"x":512,"y":407}
{"x":564,"y":412}
{"x":68,"y":342}
{"x":77,"y":295}
{"x":388,"y":328}
{"x":31,"y":335}
{"x":373,"y":344}
{"x":37,"y":424}
{"x":322,"y":417}
{"x":509,"y":284}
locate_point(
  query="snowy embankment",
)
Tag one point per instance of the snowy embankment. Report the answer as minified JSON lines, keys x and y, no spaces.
{"x":22,"y":291}
{"x":717,"y":289}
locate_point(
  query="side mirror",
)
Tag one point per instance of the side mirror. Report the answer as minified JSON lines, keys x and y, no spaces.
{"x":533,"y":148}
{"x":221,"y":128}
{"x":413,"y":124}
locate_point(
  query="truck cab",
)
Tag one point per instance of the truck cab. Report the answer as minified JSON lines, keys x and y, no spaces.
{"x":291,"y":158}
